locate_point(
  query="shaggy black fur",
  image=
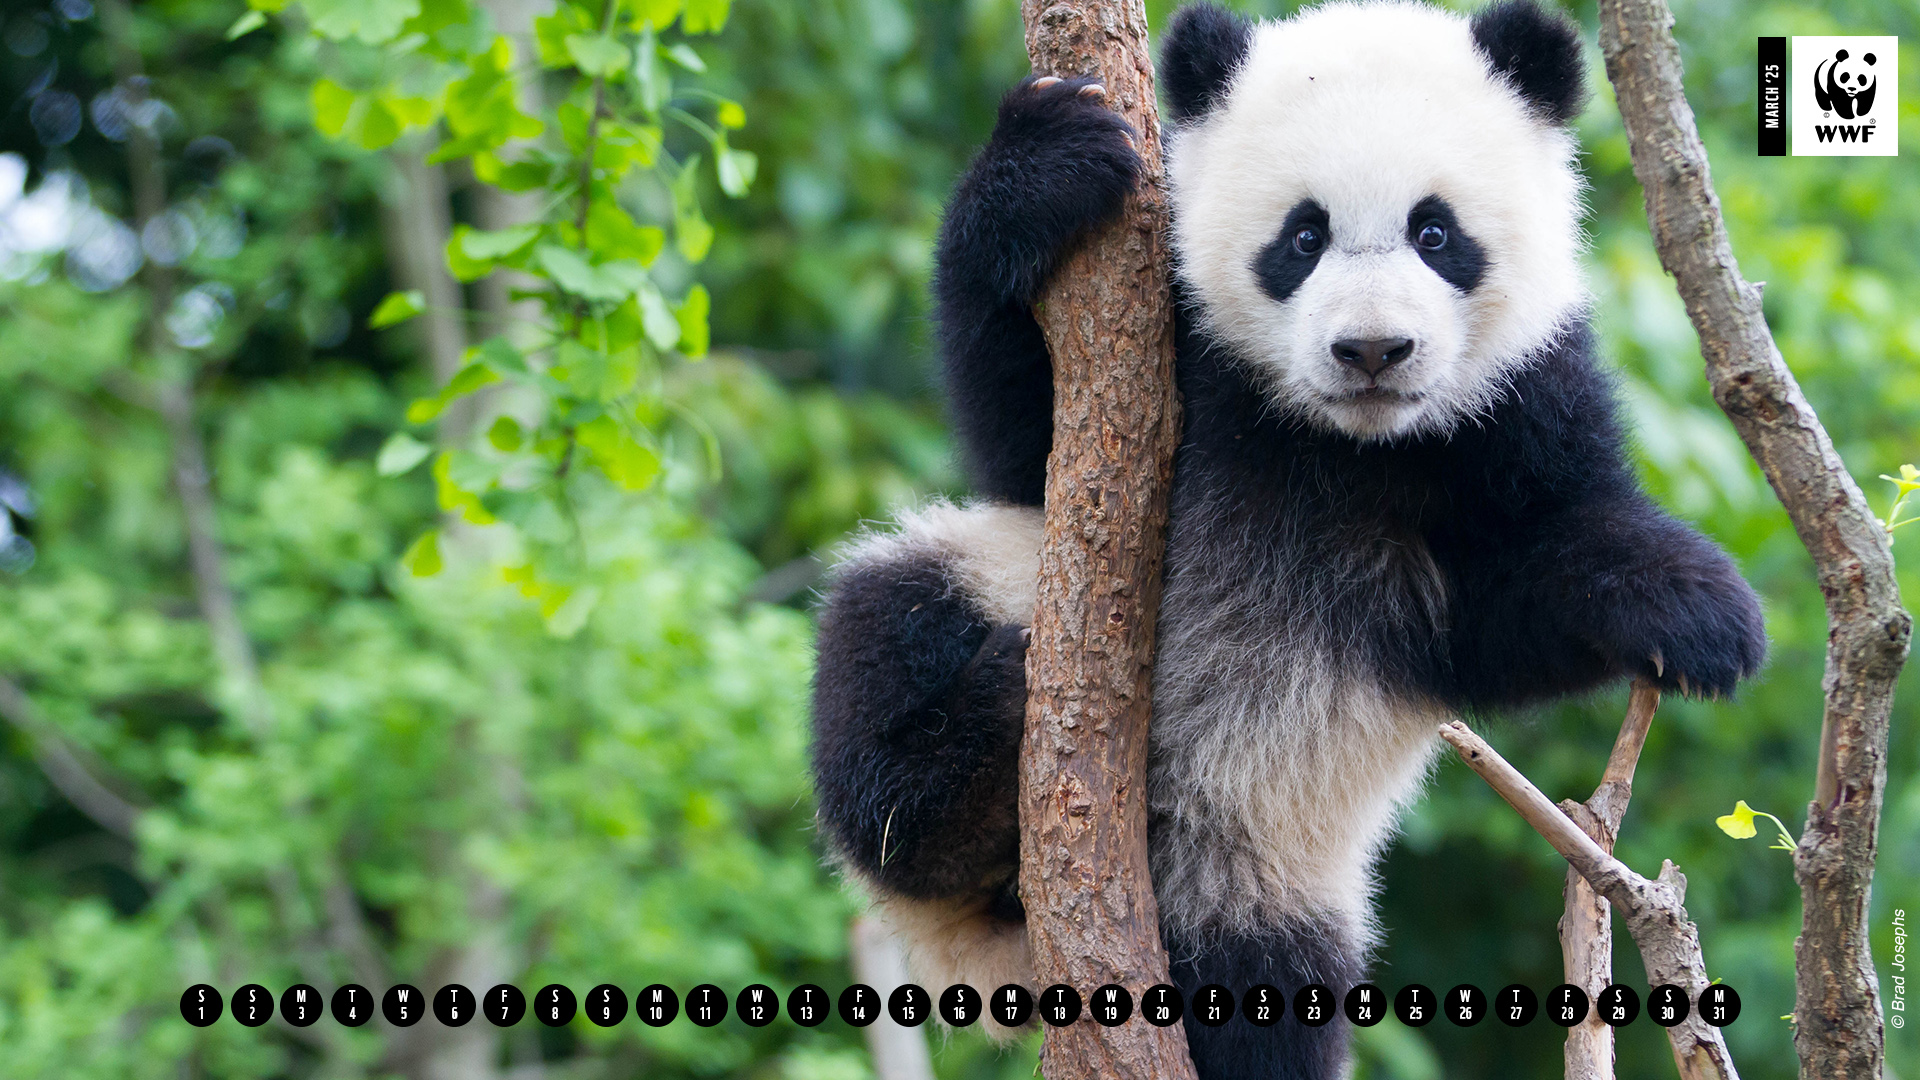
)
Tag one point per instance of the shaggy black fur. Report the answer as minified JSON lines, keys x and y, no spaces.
{"x":1287,"y":957}
{"x":1058,"y":162}
{"x":917,"y":712}
{"x":1539,"y":51}
{"x":1205,"y":45}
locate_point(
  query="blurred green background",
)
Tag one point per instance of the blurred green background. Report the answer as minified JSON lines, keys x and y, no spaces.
{"x":440,"y":784}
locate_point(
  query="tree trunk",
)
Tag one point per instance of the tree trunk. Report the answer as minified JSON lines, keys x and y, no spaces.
{"x":1837,"y":1006}
{"x":1091,"y":914}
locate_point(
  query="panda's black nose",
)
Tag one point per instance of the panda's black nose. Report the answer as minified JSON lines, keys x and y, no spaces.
{"x":1373,"y":355}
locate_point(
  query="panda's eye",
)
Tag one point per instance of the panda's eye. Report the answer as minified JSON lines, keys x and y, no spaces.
{"x":1433,"y":236}
{"x":1309,"y":240}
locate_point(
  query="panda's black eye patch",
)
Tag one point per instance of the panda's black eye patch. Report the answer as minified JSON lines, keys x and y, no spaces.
{"x":1290,"y":257}
{"x":1444,"y":246}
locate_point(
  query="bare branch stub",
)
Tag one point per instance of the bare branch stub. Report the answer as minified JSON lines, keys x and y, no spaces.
{"x":1654,"y":910}
{"x":1837,"y":1010}
{"x":1586,"y":930}
{"x":1091,"y":914}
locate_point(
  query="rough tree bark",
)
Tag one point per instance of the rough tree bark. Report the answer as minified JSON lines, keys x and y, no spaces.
{"x":1586,"y":930}
{"x":1837,"y":1006}
{"x":1091,"y":914}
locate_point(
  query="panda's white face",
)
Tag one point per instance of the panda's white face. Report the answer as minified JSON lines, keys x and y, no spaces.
{"x":1375,"y":221}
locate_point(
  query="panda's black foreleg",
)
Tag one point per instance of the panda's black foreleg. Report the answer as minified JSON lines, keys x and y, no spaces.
{"x":1289,"y":958}
{"x":1613,"y":586}
{"x":1059,"y":161}
{"x":918,"y":706}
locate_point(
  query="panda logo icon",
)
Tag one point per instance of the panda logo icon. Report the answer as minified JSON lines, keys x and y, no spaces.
{"x":1845,"y":88}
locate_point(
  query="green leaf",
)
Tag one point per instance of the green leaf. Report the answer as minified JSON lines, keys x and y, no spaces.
{"x":626,"y":462}
{"x":613,"y":234}
{"x":736,"y":169}
{"x":1738,"y":824}
{"x":246,"y":24}
{"x":400,"y":453}
{"x":692,"y":315}
{"x":731,"y":115}
{"x":332,"y":103}
{"x":372,"y":21}
{"x":497,"y":244}
{"x":654,"y":14}
{"x":704,"y":16}
{"x":610,"y":282}
{"x":663,"y":328}
{"x":598,"y":54}
{"x":505,"y":434}
{"x":693,"y":236}
{"x":422,"y":558}
{"x":682,"y":53}
{"x":397,"y":308}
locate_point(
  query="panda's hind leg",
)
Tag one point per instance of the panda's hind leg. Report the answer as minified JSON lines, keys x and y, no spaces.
{"x":1289,"y":956}
{"x":919,"y":696}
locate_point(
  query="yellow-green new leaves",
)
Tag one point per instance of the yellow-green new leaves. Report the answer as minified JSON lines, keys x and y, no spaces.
{"x":625,"y":461}
{"x":1904,"y":485}
{"x":422,"y":558}
{"x":1739,"y":825}
{"x":598,"y":55}
{"x":370,"y":120}
{"x":400,"y":453}
{"x":471,"y":378}
{"x":372,"y":21}
{"x":397,"y":308}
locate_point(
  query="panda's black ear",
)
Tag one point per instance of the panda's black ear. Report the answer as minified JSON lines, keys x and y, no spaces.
{"x":1539,"y":53}
{"x":1205,"y":46}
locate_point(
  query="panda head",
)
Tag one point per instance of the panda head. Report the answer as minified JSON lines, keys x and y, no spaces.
{"x":1375,"y":204}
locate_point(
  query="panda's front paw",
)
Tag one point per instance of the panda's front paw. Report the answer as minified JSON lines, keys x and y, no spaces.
{"x":1702,"y":639}
{"x":1060,"y":161}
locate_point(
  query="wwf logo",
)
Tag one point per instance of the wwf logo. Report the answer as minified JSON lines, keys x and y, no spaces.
{"x":1844,"y":87}
{"x":1845,"y":97}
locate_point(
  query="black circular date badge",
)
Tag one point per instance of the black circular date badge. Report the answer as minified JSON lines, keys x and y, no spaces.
{"x":352,"y":1005}
{"x":1667,"y":1005}
{"x":808,"y":1005}
{"x":1313,"y":1006}
{"x":1466,"y":1005}
{"x":606,"y":1005}
{"x":1719,"y":1005}
{"x":657,"y":1005}
{"x":1112,"y":1005}
{"x":1162,"y":1005}
{"x":859,"y":1005}
{"x":504,"y":1005}
{"x":1517,"y":1005}
{"x":1414,"y":1005}
{"x":300,"y":1005}
{"x":402,"y":1005}
{"x":1263,"y":1005}
{"x":1566,"y":1005}
{"x":1213,"y":1005}
{"x":1365,"y":1006}
{"x":1012,"y":1005}
{"x":706,"y":1005}
{"x":554,"y":1005}
{"x":1618,"y":1005}
{"x":253,"y":1005}
{"x":909,"y":1005}
{"x":454,"y":1005}
{"x":757,"y":1005}
{"x":1060,"y":1005}
{"x":960,"y":1005}
{"x":201,"y":1005}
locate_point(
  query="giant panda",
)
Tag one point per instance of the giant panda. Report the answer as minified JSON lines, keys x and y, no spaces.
{"x":1401,"y":495}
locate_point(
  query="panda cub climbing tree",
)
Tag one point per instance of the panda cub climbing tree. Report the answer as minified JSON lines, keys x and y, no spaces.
{"x":1401,"y":493}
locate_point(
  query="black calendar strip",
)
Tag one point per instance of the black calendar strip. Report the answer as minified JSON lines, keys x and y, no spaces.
{"x":960,"y":1005}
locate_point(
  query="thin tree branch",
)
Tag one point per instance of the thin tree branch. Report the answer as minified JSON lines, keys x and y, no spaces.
{"x":1655,"y":914}
{"x":63,"y":766}
{"x":1586,"y":930}
{"x":1837,"y":1009}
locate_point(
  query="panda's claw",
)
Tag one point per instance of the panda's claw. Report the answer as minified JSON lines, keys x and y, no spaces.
{"x":1045,"y":81}
{"x":1093,"y":90}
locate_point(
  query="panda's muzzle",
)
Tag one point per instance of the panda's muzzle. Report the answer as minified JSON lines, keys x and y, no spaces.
{"x":1372,"y":355}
